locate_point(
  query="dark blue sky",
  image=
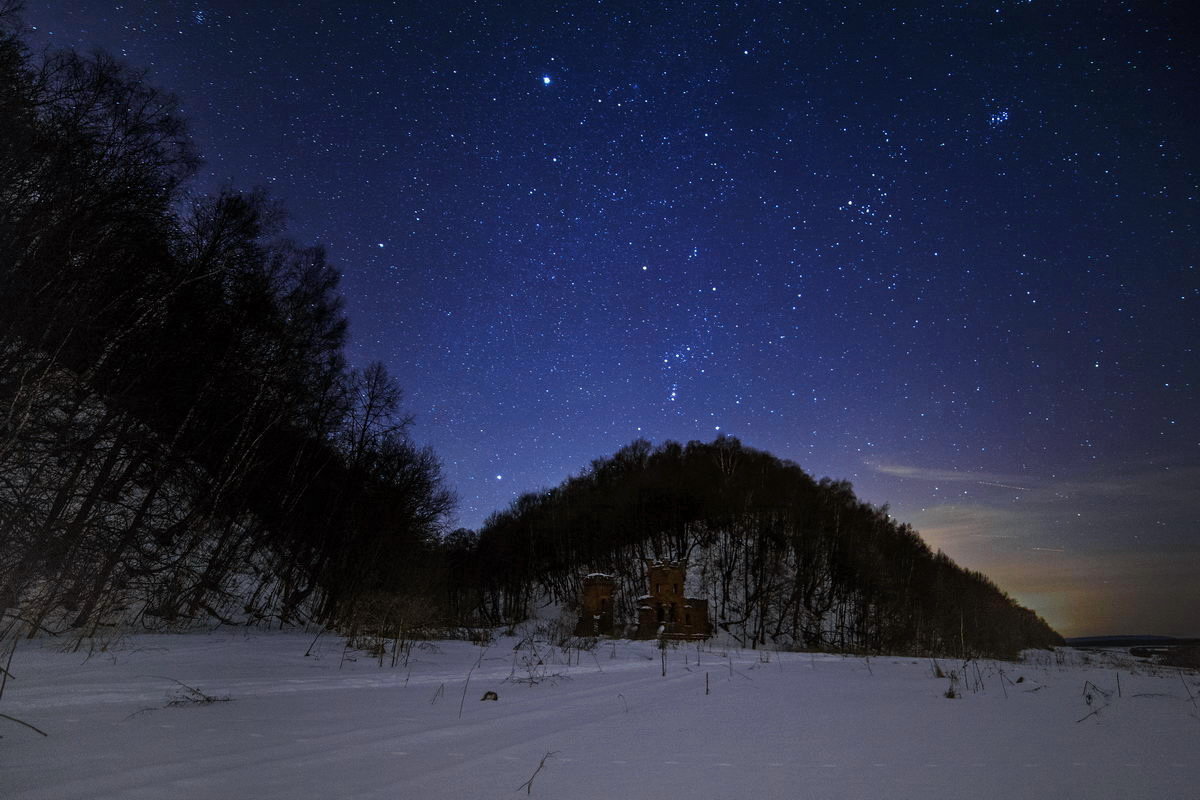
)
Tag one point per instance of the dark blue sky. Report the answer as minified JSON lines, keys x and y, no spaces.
{"x":946,"y":252}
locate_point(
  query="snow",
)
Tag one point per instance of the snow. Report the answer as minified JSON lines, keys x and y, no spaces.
{"x":773,"y":725}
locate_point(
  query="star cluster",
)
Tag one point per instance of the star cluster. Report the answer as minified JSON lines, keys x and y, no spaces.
{"x":947,"y":252}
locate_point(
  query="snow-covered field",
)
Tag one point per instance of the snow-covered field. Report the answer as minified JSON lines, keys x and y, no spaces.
{"x":774,"y":725}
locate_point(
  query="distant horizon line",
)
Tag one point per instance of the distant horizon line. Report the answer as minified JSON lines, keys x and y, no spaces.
{"x":1134,"y":636}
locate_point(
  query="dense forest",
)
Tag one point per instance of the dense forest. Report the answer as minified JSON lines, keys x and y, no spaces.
{"x":783,"y":560}
{"x":182,"y":439}
{"x":180,"y":434}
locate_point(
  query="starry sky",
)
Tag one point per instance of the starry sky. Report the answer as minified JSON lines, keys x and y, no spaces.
{"x":946,"y":251}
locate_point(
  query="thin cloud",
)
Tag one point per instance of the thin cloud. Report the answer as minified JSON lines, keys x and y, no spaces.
{"x":1142,"y":481}
{"x":941,"y":475}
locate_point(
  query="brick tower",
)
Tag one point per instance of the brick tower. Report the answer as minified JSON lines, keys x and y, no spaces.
{"x":664,"y":611}
{"x":596,"y":618}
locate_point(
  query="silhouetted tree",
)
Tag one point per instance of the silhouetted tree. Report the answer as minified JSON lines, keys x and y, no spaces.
{"x":180,"y":435}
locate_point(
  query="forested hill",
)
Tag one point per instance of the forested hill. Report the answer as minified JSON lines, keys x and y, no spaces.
{"x":180,"y":434}
{"x":781,"y":557}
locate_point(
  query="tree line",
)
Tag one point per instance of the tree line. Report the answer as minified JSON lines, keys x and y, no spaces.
{"x":180,"y":433}
{"x":784,"y":560}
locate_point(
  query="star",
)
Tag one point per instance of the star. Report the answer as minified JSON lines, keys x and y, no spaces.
{"x":848,"y":245}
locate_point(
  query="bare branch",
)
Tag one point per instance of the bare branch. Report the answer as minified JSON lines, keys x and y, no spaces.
{"x":528,"y":785}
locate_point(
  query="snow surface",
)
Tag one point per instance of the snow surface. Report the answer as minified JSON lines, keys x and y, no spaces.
{"x":775,"y":725}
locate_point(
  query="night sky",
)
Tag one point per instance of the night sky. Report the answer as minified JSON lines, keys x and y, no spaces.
{"x":946,"y":253}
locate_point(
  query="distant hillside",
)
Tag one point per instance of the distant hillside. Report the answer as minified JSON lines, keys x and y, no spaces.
{"x":1127,"y":640}
{"x":783,"y":559}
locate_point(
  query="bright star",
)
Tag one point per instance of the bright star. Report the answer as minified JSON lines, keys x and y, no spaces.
{"x":545,"y":80}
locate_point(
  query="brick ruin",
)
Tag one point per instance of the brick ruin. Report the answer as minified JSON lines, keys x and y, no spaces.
{"x":663,"y":612}
{"x":596,"y":618}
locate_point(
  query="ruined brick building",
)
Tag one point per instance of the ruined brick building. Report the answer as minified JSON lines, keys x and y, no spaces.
{"x":663,"y":611}
{"x":596,"y":617}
